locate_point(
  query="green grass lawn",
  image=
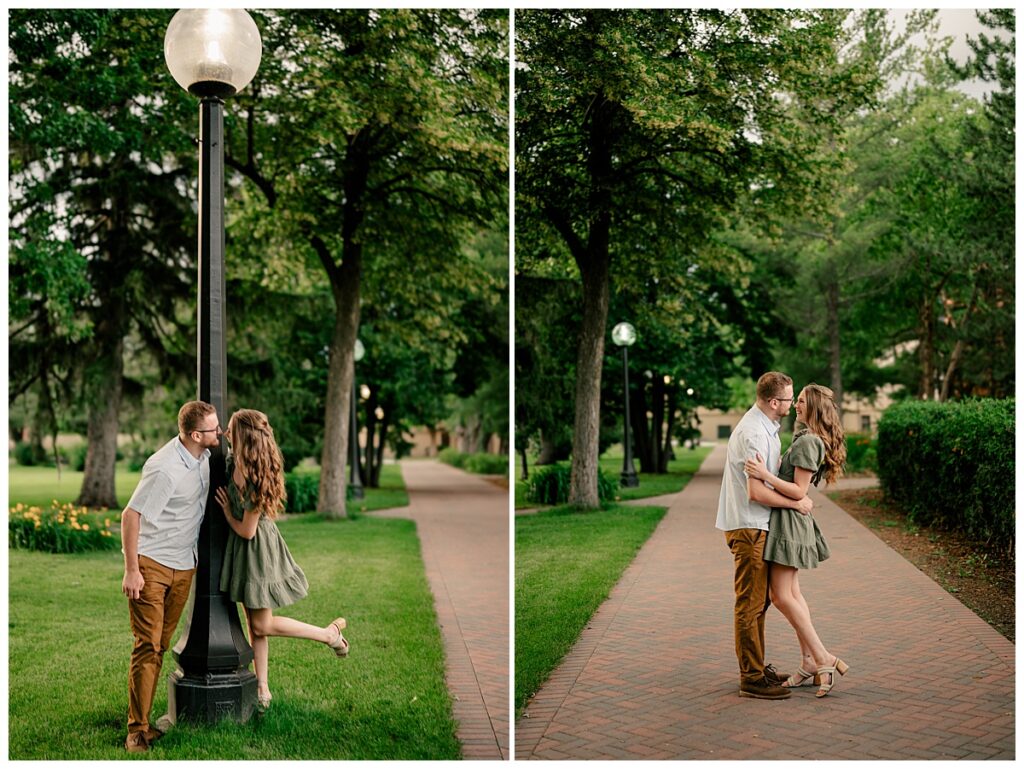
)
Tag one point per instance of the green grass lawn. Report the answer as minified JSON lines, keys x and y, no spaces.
{"x":41,"y":485}
{"x":680,"y":470}
{"x":69,"y":642}
{"x":566,"y":565}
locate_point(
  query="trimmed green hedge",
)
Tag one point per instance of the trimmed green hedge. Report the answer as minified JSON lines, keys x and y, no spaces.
{"x":481,"y":463}
{"x":549,"y":485}
{"x":951,"y":465}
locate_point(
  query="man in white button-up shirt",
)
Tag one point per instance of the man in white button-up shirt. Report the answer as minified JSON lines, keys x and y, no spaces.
{"x":159,"y":534}
{"x":744,"y":508}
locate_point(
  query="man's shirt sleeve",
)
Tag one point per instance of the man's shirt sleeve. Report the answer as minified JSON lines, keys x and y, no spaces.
{"x":753,"y":445}
{"x":152,"y":494}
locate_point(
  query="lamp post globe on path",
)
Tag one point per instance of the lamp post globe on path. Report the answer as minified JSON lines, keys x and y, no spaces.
{"x":355,"y":481}
{"x":212,"y":54}
{"x":624,"y":335}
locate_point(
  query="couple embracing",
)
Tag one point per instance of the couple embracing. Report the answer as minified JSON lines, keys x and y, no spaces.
{"x":765,"y":513}
{"x":159,"y":535}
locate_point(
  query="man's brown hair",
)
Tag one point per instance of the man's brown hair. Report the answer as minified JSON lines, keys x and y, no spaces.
{"x":191,"y":415}
{"x":771,"y":385}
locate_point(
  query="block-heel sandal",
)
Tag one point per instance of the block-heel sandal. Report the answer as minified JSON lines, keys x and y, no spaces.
{"x":830,"y":670}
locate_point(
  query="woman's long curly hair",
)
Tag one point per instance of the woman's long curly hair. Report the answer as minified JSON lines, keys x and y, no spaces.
{"x":822,"y":418}
{"x":258,"y":459}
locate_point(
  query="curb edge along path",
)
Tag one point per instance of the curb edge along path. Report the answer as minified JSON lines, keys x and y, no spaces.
{"x":654,"y":673}
{"x":462,"y":524}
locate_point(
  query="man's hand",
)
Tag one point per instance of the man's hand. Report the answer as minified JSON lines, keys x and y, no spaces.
{"x":805,"y":505}
{"x":132,"y":584}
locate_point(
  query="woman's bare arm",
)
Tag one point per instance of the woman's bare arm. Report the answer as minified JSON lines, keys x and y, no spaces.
{"x":246,"y":528}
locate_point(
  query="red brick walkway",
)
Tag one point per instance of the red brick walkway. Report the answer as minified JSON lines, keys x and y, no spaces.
{"x":654,"y":674}
{"x":462,"y":522}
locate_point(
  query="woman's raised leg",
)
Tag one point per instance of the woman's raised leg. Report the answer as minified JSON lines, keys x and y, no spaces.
{"x":264,"y":623}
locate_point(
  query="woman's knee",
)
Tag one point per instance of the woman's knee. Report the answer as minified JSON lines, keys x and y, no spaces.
{"x":260,"y":625}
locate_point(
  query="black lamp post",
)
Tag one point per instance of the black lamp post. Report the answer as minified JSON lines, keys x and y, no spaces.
{"x":212,"y":54}
{"x":355,"y":480}
{"x":624,"y":335}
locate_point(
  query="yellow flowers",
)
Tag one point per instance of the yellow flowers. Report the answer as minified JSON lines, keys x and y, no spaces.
{"x":60,"y":528}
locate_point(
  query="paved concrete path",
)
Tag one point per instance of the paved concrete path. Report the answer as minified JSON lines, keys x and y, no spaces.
{"x":462,"y":522}
{"x":654,"y":674}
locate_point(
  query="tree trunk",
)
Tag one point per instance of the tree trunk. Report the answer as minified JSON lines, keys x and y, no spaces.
{"x":98,"y":489}
{"x":657,"y":415}
{"x":589,"y":360}
{"x":642,"y":452}
{"x":334,"y":457}
{"x":105,"y":379}
{"x":345,"y":286}
{"x":927,"y":353}
{"x":593,"y":262}
{"x":958,"y":348}
{"x":526,"y":469}
{"x":549,"y":451}
{"x":834,"y":348}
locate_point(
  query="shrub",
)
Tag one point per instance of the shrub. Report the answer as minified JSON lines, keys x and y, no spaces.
{"x":482,"y":463}
{"x":951,"y":465}
{"x":487,"y":464}
{"x":452,"y":457}
{"x":135,"y":455}
{"x":76,"y":456}
{"x":302,"y":489}
{"x":549,"y":485}
{"x":27,"y":455}
{"x":860,"y":453}
{"x":60,"y":529}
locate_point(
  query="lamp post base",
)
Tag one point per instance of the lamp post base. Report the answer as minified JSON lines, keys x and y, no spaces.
{"x":356,"y":491}
{"x":629,"y":480}
{"x":211,"y":698}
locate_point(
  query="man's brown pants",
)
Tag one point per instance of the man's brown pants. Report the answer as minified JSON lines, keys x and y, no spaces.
{"x":154,"y":616}
{"x":751,"y":583}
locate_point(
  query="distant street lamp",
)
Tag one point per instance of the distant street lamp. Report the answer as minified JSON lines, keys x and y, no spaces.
{"x":355,"y":481}
{"x":212,"y":54}
{"x":624,"y":335}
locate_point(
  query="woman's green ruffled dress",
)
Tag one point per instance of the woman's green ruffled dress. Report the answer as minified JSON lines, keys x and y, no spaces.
{"x":259,"y":573}
{"x":794,"y":539}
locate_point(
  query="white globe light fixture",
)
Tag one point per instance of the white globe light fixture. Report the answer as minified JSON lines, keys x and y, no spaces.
{"x":359,"y":351}
{"x":624,"y":334}
{"x":212,"y":52}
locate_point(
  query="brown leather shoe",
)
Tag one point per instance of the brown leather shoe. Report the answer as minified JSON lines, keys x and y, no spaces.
{"x":764,"y":690}
{"x":773,"y":677}
{"x":136,"y":742}
{"x":153,"y":734}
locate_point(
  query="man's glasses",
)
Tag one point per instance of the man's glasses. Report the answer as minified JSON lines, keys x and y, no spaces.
{"x":211,"y":430}
{"x":780,"y":400}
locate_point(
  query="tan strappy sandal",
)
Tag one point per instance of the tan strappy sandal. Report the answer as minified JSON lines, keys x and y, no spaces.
{"x":830,"y":670}
{"x":800,"y":678}
{"x":263,"y":703}
{"x":340,"y":645}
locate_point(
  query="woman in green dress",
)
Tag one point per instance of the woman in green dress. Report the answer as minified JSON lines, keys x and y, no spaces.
{"x":794,"y":541}
{"x":258,"y":570}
